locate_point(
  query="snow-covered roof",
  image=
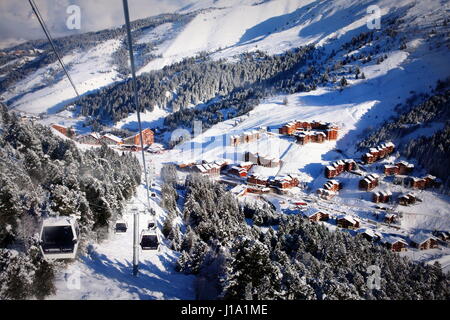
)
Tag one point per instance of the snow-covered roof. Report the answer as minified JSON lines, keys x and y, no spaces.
{"x":238,"y":189}
{"x":349,"y":218}
{"x":112,"y":137}
{"x":201,"y":168}
{"x":330,"y":168}
{"x":95,"y":135}
{"x":392,"y":239}
{"x":220,"y":162}
{"x":370,"y":232}
{"x":311,"y":212}
{"x":421,"y":237}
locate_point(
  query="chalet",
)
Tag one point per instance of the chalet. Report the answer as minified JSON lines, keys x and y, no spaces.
{"x":331,"y":134}
{"x":378,"y":152}
{"x":382,"y":196}
{"x":442,"y":235}
{"x":307,"y":132}
{"x":92,"y":138}
{"x":331,"y":172}
{"x":110,"y":139}
{"x":268,"y":162}
{"x":339,"y":166}
{"x":350,"y":165}
{"x":147,"y":137}
{"x":285,"y":182}
{"x":304,"y":137}
{"x":332,"y":185}
{"x":239,"y":190}
{"x":221,"y":163}
{"x":417,"y":183}
{"x":370,"y":234}
{"x":287,"y":129}
{"x":429,"y":181}
{"x":238,"y":171}
{"x":369,"y":182}
{"x":245,"y":137}
{"x":246,"y":165}
{"x":407,"y":199}
{"x":368,"y":158}
{"x":395,"y":244}
{"x":314,"y":214}
{"x":325,"y":194}
{"x":347,"y":222}
{"x":68,"y":132}
{"x":390,"y":218}
{"x":424,"y":241}
{"x":390,"y":170}
{"x":186,"y":164}
{"x":208,"y":169}
{"x":257,"y":180}
{"x":265,"y":161}
{"x":404,"y":167}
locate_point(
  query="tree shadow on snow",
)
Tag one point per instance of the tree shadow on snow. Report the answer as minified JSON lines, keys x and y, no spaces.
{"x":150,"y":277}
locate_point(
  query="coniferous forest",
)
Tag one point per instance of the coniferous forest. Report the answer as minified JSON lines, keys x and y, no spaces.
{"x":236,"y":257}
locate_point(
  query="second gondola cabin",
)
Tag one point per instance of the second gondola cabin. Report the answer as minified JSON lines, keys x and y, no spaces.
{"x":151,"y":223}
{"x":149,"y":240}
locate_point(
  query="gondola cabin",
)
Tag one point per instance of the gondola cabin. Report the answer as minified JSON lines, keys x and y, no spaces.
{"x":149,"y":240}
{"x":121,"y":226}
{"x":59,"y":238}
{"x":151,"y":223}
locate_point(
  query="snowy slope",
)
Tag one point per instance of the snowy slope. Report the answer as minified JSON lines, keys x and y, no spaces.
{"x":89,"y":70}
{"x":229,"y":27}
{"x":276,"y":26}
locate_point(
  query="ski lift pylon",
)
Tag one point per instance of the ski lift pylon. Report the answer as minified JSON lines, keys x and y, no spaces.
{"x":59,"y":238}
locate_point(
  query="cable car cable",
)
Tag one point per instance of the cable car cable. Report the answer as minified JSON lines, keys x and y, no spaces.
{"x":134,"y":85}
{"x":49,"y":37}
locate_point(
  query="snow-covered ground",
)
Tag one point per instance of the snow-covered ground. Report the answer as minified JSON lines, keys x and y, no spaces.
{"x":89,"y":71}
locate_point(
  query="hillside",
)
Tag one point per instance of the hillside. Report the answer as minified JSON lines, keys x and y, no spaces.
{"x":45,"y":176}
